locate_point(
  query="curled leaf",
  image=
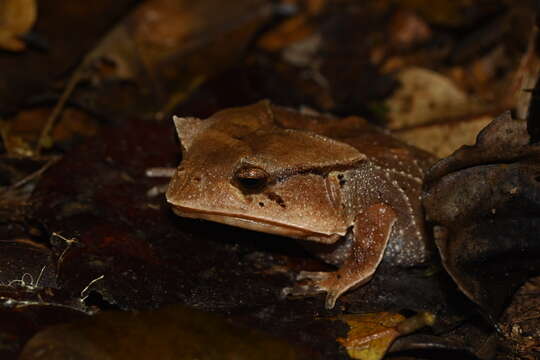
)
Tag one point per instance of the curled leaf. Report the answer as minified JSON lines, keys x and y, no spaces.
{"x":484,"y":200}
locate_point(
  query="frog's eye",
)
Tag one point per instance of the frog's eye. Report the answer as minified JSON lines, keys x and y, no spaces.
{"x":251,"y":178}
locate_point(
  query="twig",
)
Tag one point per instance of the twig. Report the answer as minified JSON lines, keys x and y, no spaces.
{"x":32,"y":176}
{"x":83,"y":292}
{"x":59,"y":107}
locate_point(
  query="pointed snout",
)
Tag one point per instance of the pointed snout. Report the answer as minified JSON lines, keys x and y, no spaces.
{"x":177,"y":186}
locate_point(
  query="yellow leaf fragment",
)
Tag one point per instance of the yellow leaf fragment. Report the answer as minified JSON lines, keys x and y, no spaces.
{"x":16,"y":18}
{"x":370,"y":335}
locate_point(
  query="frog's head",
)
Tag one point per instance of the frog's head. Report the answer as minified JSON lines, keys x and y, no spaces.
{"x":240,"y":169}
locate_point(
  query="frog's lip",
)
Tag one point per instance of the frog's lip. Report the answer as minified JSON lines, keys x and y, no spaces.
{"x":256,"y":224}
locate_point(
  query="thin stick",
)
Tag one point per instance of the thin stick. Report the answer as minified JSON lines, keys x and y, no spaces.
{"x":32,"y":176}
{"x":59,"y":107}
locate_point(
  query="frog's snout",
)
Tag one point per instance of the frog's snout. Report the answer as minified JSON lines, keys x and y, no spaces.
{"x":178,"y":186}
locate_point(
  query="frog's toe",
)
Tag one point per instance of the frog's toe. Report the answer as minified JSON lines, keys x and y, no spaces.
{"x":312,"y":275}
{"x":331,"y":297}
{"x":301,"y":290}
{"x":313,"y":283}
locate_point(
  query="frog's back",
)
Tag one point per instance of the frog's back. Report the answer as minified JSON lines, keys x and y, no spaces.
{"x":380,"y":147}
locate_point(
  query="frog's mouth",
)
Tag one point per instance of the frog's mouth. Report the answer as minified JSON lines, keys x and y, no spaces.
{"x":257,"y":224}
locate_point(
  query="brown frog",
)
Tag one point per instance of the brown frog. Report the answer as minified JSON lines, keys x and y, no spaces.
{"x":338,"y":182}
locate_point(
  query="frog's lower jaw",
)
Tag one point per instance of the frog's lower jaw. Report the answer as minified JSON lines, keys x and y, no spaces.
{"x":258,"y":225}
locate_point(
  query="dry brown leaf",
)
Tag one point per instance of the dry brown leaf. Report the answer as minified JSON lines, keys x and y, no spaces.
{"x":166,"y":48}
{"x":442,"y":139}
{"x":425,"y":96}
{"x":21,"y":132}
{"x":16,"y":18}
{"x":289,"y":32}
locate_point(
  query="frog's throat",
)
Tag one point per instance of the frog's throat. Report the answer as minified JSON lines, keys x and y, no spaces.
{"x":258,"y":224}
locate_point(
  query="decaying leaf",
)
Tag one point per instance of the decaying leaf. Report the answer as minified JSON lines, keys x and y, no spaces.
{"x":172,"y":46}
{"x":485,"y":203}
{"x":425,"y":96}
{"x":442,"y":139}
{"x":16,"y":18}
{"x":170,"y":333}
{"x":371,"y":335}
{"x":21,"y":132}
{"x":67,"y":30}
{"x":164,"y":50}
{"x":29,"y":299}
{"x":519,"y":323}
{"x":22,"y":316}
